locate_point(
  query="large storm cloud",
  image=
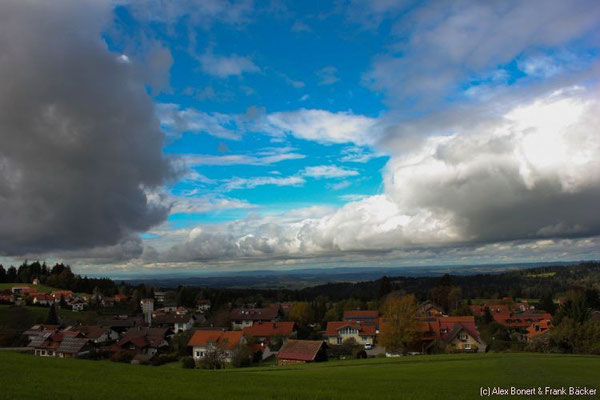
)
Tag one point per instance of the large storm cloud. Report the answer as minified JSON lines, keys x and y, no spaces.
{"x":79,"y":142}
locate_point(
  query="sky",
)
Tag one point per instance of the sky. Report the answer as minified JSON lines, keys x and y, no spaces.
{"x":159,"y":137}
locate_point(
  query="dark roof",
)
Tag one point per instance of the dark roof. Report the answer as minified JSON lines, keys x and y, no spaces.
{"x":301,"y":350}
{"x":140,"y":335}
{"x":93,"y":331}
{"x":254,"y":314}
{"x":122,"y":323}
{"x":72,"y":345}
{"x":172,"y":319}
{"x":39,"y":340}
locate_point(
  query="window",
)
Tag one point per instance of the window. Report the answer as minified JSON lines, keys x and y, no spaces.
{"x":462,"y":336}
{"x":197,"y":354}
{"x":467,"y":346}
{"x":339,"y":340}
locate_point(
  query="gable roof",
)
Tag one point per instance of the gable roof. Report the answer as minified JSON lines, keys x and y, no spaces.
{"x":72,"y":345}
{"x":222,"y":339}
{"x":333,"y":328}
{"x":267,"y":329}
{"x":301,"y":350}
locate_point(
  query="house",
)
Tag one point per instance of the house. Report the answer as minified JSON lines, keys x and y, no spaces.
{"x":203,"y":305}
{"x":57,"y":294}
{"x":120,"y":298}
{"x":78,"y":304}
{"x":204,"y":340}
{"x":73,"y":347}
{"x":478,"y":310}
{"x":19,"y":290}
{"x":178,"y":323}
{"x":108,"y":301}
{"x":42,"y":299}
{"x":430,"y":309}
{"x":37,"y":330}
{"x":48,"y":344}
{"x":120,"y":325}
{"x":143,"y":340}
{"x":519,"y":321}
{"x":302,"y":351}
{"x":98,"y":334}
{"x":244,"y":317}
{"x":455,"y":334}
{"x":6,"y":296}
{"x":338,"y":332}
{"x":160,"y":297}
{"x":265,"y":331}
{"x":36,"y":281}
{"x":538,"y":328}
{"x":366,"y":317}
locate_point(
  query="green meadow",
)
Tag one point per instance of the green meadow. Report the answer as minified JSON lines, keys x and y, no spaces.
{"x":23,"y":376}
{"x":31,"y":315}
{"x":39,"y":288}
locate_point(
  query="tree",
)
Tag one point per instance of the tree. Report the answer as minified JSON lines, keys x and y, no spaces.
{"x":2,"y":274}
{"x":52,"y":318}
{"x":301,"y":313}
{"x":547,"y":303}
{"x":241,"y":356}
{"x":214,"y":358}
{"x":400,"y":328}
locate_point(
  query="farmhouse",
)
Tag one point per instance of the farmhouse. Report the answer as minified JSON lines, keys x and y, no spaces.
{"x":519,"y":321}
{"x":98,"y":334}
{"x":244,"y":317}
{"x":338,"y":332}
{"x":302,"y":351}
{"x":456,"y":334}
{"x":265,"y":331}
{"x":366,"y":317}
{"x":430,"y":309}
{"x":57,"y":294}
{"x":178,"y":323}
{"x":204,"y":340}
{"x":143,"y":340}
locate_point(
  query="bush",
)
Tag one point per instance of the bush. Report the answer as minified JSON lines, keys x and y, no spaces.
{"x":164,"y":358}
{"x":380,"y":355}
{"x":122,"y":356}
{"x":188,"y":363}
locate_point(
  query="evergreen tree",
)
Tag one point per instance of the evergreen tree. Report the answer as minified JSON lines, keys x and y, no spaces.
{"x":2,"y":274}
{"x":52,"y":318}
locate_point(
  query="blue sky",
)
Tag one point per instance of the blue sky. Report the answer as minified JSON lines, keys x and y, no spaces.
{"x":322,"y":133}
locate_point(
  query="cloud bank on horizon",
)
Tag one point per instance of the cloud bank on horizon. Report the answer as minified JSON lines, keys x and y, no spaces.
{"x":162,"y":136}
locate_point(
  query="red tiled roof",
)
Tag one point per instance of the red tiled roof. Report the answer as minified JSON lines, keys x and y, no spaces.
{"x":223,"y":339}
{"x":478,"y":310}
{"x":364,"y":330}
{"x":268,"y":329}
{"x":538,"y":328}
{"x":524,"y":320}
{"x":301,"y":350}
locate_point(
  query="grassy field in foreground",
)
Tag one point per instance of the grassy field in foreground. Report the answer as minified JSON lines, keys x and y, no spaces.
{"x":23,"y":376}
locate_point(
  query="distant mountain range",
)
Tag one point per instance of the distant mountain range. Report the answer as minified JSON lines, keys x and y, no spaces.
{"x":300,"y":278}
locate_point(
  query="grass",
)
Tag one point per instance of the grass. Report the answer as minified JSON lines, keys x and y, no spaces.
{"x":33,"y":315}
{"x":39,"y":288}
{"x":23,"y":376}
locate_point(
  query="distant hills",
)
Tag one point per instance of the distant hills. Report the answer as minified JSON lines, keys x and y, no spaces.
{"x":301,"y":278}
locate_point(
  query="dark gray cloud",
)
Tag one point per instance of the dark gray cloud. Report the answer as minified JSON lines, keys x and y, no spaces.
{"x":80,"y":143}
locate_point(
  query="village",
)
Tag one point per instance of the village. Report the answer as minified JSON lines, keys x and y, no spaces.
{"x":276,"y":333}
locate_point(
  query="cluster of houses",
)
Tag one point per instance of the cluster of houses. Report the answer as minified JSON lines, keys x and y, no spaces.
{"x":520,"y":317}
{"x":264,"y":330}
{"x":26,"y":294}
